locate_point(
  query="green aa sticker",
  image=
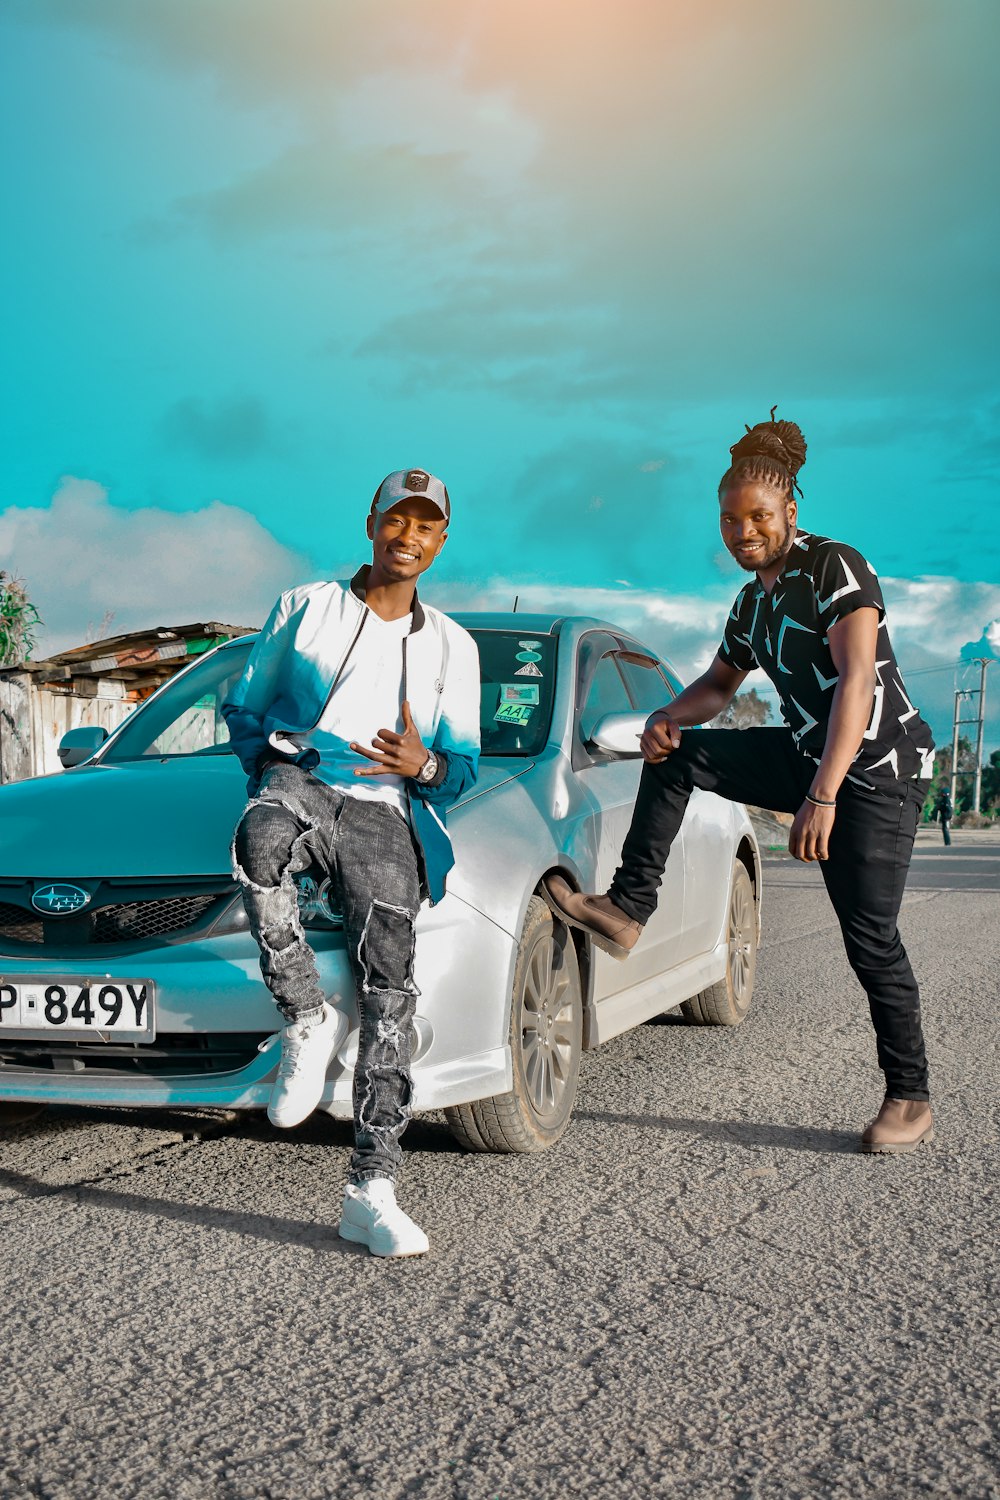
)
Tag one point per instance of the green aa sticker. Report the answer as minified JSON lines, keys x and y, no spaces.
{"x":514,"y":713}
{"x":528,"y":656}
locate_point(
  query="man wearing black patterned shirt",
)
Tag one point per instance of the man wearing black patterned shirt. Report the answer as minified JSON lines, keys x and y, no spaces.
{"x":852,"y":762}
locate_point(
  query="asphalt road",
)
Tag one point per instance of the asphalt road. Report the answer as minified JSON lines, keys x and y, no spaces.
{"x":962,"y":867}
{"x":703,"y":1291}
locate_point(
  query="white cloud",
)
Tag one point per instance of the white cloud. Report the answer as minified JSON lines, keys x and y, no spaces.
{"x":937,"y":615}
{"x":933,"y":622}
{"x":82,"y":556}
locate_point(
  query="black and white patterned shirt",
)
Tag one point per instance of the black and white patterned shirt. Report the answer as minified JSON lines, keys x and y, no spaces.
{"x":786,"y":634}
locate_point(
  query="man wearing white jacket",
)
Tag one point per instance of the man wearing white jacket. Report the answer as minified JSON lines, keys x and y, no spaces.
{"x":357,"y":722}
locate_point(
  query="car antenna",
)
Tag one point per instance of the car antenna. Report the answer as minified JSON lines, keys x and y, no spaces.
{"x":514,"y":610}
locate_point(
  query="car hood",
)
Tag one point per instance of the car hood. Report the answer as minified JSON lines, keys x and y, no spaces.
{"x":493,"y":774}
{"x":140,"y":819}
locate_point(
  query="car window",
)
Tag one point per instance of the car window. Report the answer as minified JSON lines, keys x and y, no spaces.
{"x":647,"y":685}
{"x":605,"y":695}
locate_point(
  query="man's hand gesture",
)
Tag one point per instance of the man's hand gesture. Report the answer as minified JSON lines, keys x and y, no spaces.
{"x":394,"y":754}
{"x":660,"y":738}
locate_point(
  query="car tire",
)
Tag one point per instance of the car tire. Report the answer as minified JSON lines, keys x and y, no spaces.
{"x":546,"y":1040}
{"x":726,"y":1003}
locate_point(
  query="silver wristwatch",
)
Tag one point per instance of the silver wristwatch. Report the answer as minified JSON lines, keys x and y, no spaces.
{"x":428,"y":770}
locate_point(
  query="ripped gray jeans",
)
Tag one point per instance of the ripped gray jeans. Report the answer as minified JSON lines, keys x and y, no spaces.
{"x":296,"y":822}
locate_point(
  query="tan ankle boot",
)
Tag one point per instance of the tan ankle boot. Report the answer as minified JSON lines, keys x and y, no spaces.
{"x":607,"y":925}
{"x":900,"y":1125}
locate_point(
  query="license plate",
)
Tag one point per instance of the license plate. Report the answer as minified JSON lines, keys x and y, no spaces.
{"x":33,"y":1007}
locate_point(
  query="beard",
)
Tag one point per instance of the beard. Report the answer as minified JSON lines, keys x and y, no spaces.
{"x":771,"y":554}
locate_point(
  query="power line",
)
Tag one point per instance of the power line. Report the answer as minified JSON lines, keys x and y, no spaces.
{"x":907,"y":673}
{"x":952,"y":666}
{"x":948,"y":666}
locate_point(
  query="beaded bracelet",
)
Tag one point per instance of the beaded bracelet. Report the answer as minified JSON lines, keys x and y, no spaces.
{"x":817,"y":803}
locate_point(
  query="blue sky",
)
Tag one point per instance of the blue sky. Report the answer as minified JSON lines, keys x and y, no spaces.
{"x":259,"y":254}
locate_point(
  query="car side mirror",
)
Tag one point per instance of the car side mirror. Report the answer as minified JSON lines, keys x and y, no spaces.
{"x":78,"y":745}
{"x":618,"y":734}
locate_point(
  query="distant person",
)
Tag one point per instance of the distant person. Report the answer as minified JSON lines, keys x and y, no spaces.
{"x":944,"y":811}
{"x":850,"y":764}
{"x":357,"y":722}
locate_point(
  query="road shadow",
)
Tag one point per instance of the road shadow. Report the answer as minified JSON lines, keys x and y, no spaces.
{"x":423,"y":1136}
{"x":257,"y":1226}
{"x":749,"y":1133}
{"x":426,"y":1134}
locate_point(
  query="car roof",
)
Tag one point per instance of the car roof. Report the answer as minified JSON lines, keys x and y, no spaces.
{"x":482,"y":619}
{"x":571,"y":625}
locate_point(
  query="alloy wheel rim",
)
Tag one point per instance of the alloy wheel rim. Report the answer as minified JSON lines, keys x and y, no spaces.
{"x":742,"y":925}
{"x":547,"y":1027}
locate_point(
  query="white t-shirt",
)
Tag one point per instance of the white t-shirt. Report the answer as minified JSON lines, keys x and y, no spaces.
{"x":368,"y":698}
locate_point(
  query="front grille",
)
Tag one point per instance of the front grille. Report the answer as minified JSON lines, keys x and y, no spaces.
{"x":131,"y":921}
{"x":140,"y":920}
{"x":169,"y":1056}
{"x":19,"y":924}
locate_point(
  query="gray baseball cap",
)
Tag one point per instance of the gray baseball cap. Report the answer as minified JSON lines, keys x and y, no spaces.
{"x":411,"y":484}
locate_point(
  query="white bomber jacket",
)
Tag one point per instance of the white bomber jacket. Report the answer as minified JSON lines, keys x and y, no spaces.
{"x":293,"y":671}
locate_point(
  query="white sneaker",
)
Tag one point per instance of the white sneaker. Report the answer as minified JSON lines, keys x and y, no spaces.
{"x":305,"y":1056}
{"x":371,"y":1216}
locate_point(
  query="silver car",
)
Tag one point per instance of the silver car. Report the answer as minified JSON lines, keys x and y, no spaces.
{"x":128,"y":975}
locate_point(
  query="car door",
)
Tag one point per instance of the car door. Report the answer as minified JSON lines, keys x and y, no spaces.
{"x":612,"y":783}
{"x":704,"y":844}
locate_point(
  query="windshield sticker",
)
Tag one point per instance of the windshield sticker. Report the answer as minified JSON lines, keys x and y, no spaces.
{"x":519,"y":692}
{"x":528,"y":670}
{"x":528,"y":656}
{"x":514,"y":713}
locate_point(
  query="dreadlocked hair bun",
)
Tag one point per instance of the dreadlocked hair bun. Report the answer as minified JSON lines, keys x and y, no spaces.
{"x":771,"y":453}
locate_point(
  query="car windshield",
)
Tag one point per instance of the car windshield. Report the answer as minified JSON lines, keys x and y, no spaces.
{"x":518,"y":677}
{"x":517,"y":682}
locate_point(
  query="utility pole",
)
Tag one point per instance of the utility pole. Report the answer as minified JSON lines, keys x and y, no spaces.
{"x":984,"y":662}
{"x":961,"y":694}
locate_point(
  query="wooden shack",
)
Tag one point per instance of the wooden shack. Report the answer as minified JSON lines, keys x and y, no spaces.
{"x":98,"y":683}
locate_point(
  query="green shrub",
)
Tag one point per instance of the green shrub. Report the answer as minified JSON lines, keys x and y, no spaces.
{"x":19,"y":621}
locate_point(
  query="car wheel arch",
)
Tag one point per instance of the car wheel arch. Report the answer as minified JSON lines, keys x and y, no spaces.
{"x":749,"y":856}
{"x":545,"y":1041}
{"x":584,"y":954}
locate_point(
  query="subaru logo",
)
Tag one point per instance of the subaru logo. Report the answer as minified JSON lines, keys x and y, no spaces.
{"x":60,"y":900}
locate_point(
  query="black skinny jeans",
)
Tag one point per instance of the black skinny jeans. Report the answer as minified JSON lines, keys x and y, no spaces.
{"x":870,"y":848}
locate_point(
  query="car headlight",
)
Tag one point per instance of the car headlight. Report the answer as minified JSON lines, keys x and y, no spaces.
{"x":317,"y":902}
{"x":317,"y":908}
{"x":233,"y":919}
